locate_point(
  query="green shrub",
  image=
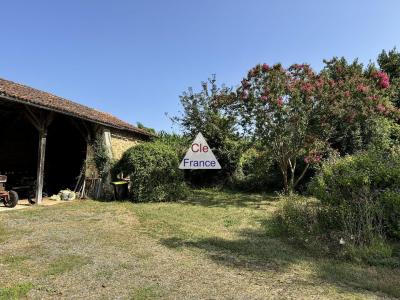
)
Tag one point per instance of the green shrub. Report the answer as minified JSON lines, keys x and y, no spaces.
{"x":381,"y":134}
{"x":365,"y":189}
{"x":319,"y":227}
{"x":297,"y":217}
{"x":154,"y":173}
{"x":308,"y":222}
{"x":378,"y":252}
{"x":256,"y":172}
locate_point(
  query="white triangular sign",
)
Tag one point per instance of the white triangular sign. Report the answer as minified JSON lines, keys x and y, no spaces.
{"x":199,"y":156}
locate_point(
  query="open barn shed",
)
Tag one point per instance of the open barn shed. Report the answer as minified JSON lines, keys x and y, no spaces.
{"x":46,"y":142}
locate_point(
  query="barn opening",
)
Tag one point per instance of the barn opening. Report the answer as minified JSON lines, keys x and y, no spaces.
{"x":18,"y":147}
{"x":65,"y":155}
{"x":65,"y":151}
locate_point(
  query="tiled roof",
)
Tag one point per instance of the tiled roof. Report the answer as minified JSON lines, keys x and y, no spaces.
{"x":31,"y":96}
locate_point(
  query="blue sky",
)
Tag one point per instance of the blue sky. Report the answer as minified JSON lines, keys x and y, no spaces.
{"x":134,"y":58}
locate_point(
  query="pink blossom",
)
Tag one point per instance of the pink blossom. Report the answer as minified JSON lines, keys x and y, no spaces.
{"x":374,"y":97}
{"x":245,"y":94}
{"x":362,"y":88}
{"x":264,"y":98}
{"x":280,"y":101}
{"x":347,"y":94}
{"x":383,"y":79}
{"x":312,"y":158}
{"x":265,"y":67}
{"x":307,"y":88}
{"x":385,"y":84}
{"x":381,"y":108}
{"x":319,"y":83}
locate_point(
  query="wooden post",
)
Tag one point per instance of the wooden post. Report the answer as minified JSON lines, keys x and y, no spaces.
{"x":41,"y":120}
{"x":41,"y":161}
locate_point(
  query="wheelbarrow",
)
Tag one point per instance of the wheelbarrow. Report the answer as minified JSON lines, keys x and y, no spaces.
{"x":9,"y":198}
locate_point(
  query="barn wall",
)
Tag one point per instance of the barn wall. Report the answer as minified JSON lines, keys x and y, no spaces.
{"x":120,"y":142}
{"x":91,"y":170}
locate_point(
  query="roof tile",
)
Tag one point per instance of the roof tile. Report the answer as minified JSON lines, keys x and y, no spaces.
{"x":49,"y":101}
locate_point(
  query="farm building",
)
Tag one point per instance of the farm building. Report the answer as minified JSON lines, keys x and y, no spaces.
{"x":46,"y":142}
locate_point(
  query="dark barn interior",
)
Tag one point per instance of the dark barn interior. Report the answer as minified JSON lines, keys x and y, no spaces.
{"x":65,"y":151}
{"x":18,"y":146}
{"x":65,"y":155}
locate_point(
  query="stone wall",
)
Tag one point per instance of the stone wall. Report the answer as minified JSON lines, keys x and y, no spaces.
{"x":91,"y":170}
{"x":121,"y":142}
{"x":118,"y":141}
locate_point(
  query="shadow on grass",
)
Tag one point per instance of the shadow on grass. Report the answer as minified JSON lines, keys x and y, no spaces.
{"x":225,"y":198}
{"x":253,"y":250}
{"x":262,"y":251}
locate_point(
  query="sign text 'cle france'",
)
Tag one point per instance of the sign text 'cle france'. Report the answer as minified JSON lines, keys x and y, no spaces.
{"x":199,"y":156}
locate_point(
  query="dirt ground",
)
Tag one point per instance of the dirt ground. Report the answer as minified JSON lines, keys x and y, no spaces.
{"x":23,"y":203}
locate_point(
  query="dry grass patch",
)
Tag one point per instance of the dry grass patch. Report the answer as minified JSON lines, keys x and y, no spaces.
{"x":215,"y":245}
{"x":66,"y":263}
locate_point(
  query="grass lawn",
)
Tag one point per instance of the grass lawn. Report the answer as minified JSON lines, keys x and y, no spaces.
{"x":216,"y":245}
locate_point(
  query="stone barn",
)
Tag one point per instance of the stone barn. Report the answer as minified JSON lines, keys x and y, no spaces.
{"x":46,"y":142}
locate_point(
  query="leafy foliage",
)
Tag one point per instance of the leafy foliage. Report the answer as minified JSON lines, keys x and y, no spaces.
{"x":355,"y":96}
{"x":364,"y":188}
{"x":141,"y":126}
{"x":201,"y":115}
{"x":257,"y":171}
{"x":101,"y":158}
{"x":321,"y":228}
{"x":283,"y":111}
{"x":153,"y":171}
{"x":389,"y":62}
{"x":175,"y":141}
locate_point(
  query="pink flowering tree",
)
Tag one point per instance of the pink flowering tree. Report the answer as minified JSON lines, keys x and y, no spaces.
{"x":298,"y":115}
{"x":355,"y":97}
{"x":283,"y":110}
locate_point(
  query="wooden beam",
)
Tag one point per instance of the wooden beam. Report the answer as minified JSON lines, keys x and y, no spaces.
{"x":41,"y":120}
{"x":41,"y":162}
{"x":84,"y":129}
{"x":35,"y":121}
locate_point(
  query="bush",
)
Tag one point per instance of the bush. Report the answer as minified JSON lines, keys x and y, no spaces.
{"x":308,"y":222}
{"x":256,"y":172}
{"x":364,"y":187}
{"x":154,"y":173}
{"x":228,"y":154}
{"x":318,"y":228}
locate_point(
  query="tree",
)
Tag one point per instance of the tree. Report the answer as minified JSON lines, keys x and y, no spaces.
{"x":283,"y":111}
{"x":389,"y":62}
{"x":201,"y":115}
{"x":296,"y":114}
{"x":356,"y":96}
{"x":141,"y":126}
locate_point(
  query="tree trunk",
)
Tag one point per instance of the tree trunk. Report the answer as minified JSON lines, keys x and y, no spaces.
{"x":285,"y":179}
{"x":291,"y":184}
